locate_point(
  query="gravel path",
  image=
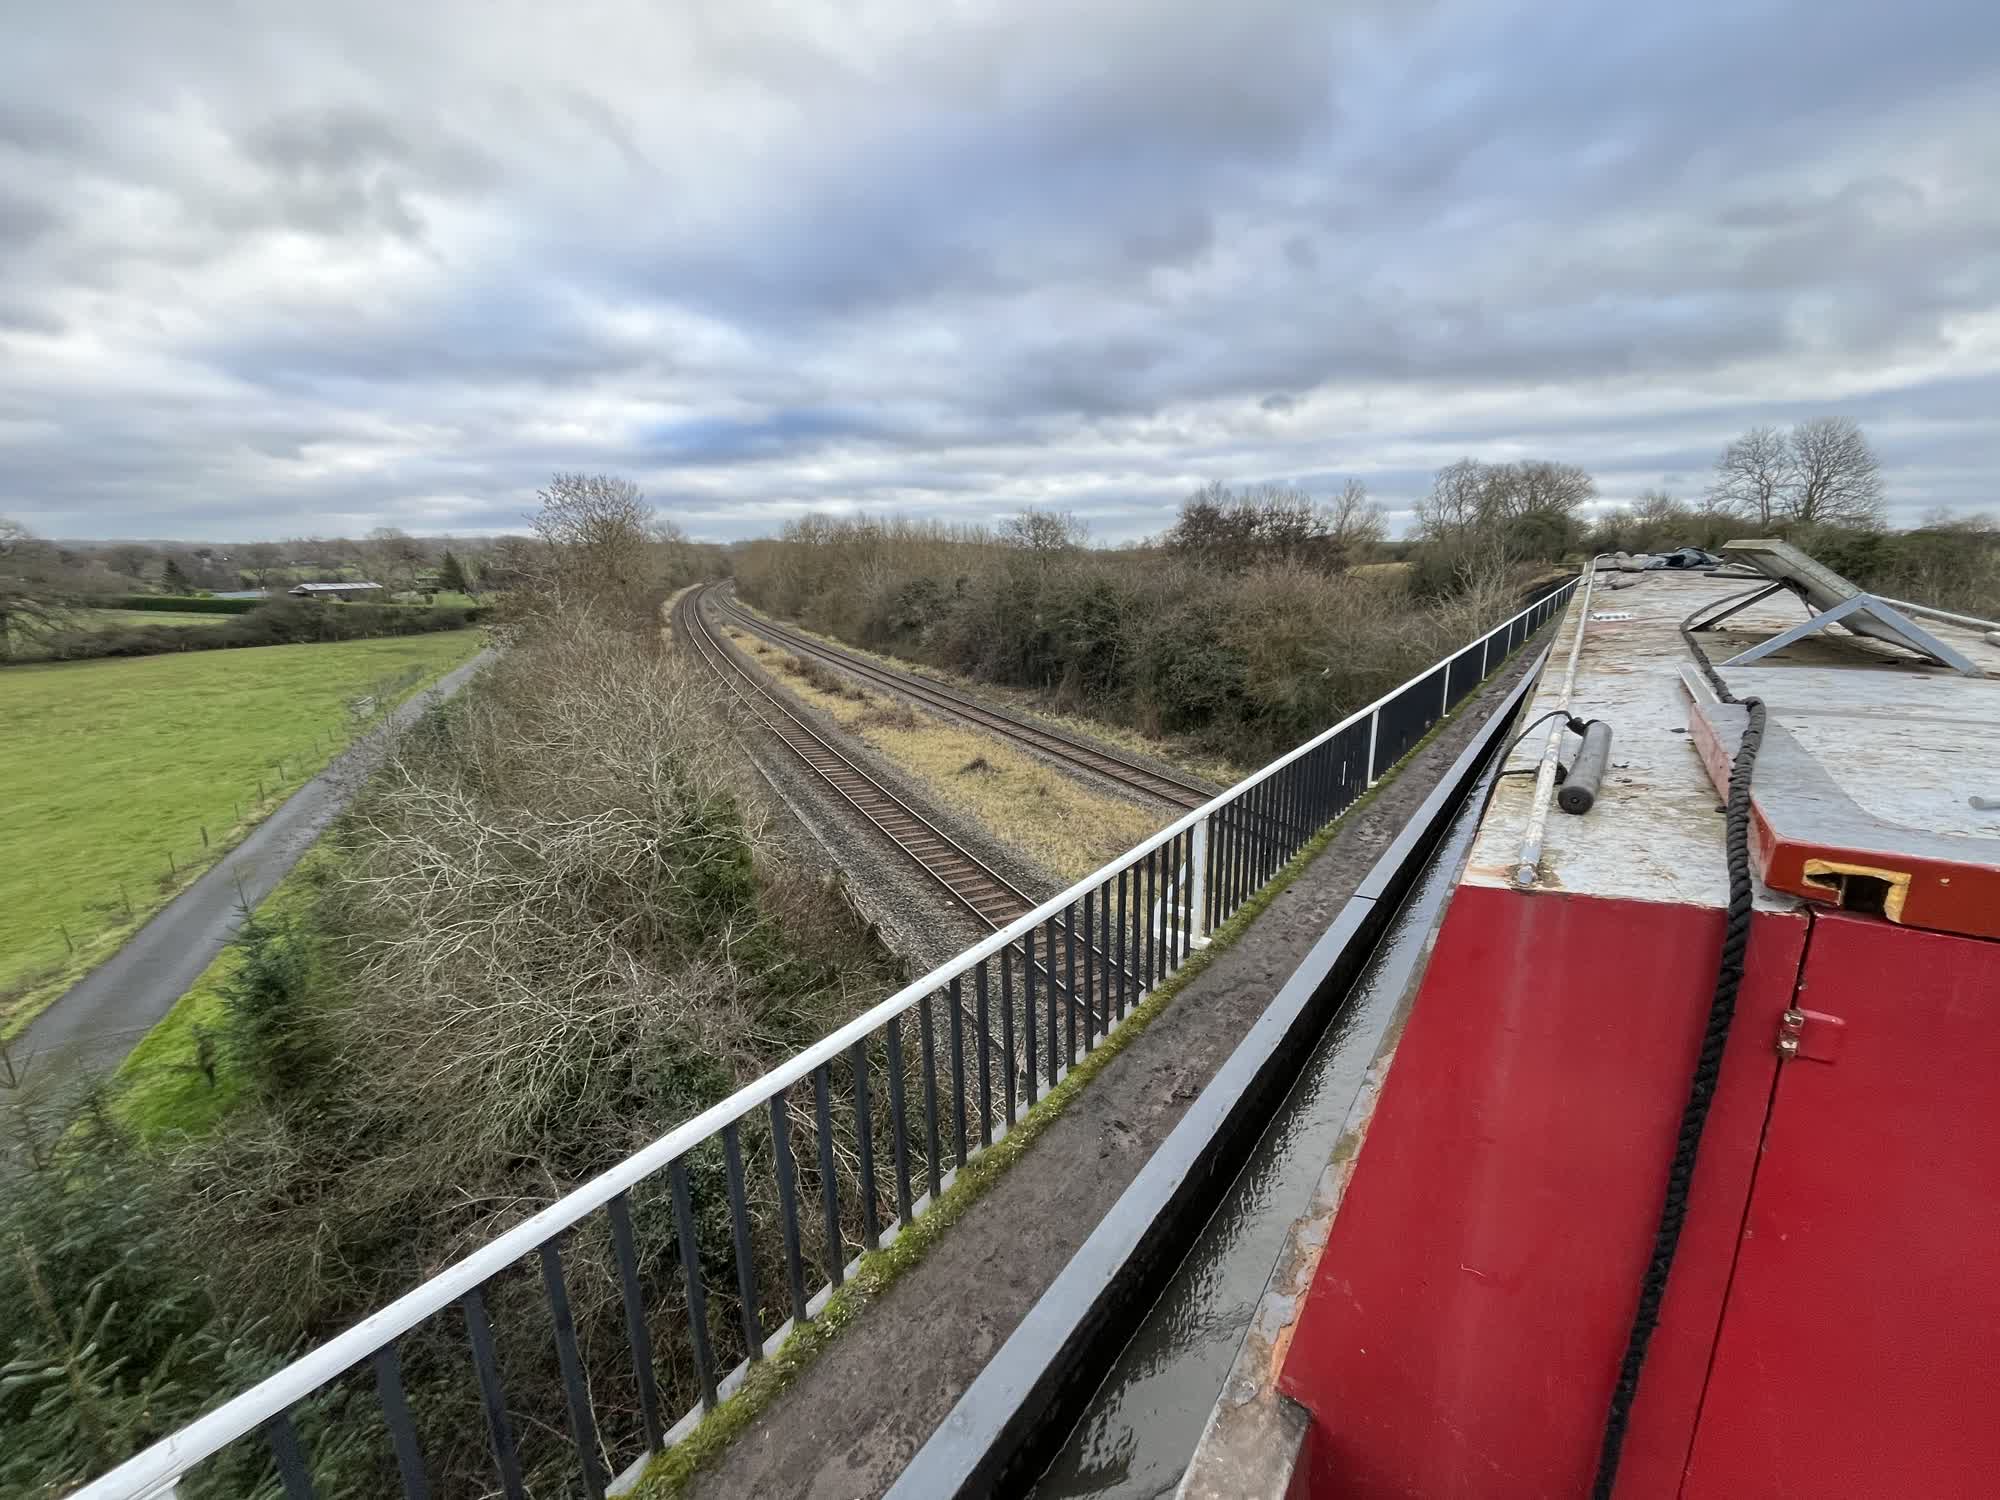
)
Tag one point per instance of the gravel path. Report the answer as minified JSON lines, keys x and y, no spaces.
{"x":92,"y":1025}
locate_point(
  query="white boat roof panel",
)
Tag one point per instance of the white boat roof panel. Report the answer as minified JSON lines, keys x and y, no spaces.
{"x":1910,"y":743}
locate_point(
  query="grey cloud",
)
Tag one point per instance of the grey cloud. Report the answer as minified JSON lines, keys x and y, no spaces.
{"x":22,"y":220}
{"x":403,"y":262}
{"x":347,"y":140}
{"x":33,"y":128}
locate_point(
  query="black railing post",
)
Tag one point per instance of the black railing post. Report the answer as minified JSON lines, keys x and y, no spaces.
{"x":492,"y":1394}
{"x":636,"y":1333}
{"x":829,"y":1181}
{"x":739,"y":1235}
{"x":864,"y":1125}
{"x":788,"y":1205}
{"x":582,"y":1425}
{"x":899,"y":1125}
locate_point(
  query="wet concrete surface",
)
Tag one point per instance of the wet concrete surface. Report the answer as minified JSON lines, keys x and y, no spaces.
{"x":1136,"y":1437}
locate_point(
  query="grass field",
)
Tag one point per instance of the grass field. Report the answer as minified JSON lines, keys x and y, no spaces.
{"x":108,"y":619}
{"x":113,"y":770}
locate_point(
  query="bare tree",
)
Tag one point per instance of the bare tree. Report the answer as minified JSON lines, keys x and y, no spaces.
{"x":1835,"y":479}
{"x":1274,"y":523}
{"x":397,"y":556}
{"x":1754,"y":476}
{"x":1456,"y":503}
{"x":1356,"y":522}
{"x":1654,"y":520}
{"x":1525,"y":509}
{"x":130,"y":560}
{"x":602,"y":545}
{"x":30,"y":600}
{"x":1038,"y":530}
{"x":260,"y":560}
{"x":1821,"y":472}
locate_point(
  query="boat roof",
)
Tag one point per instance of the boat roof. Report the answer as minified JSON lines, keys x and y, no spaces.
{"x":1875,"y":761}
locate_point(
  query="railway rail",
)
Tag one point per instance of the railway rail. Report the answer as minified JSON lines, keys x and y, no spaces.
{"x":1106,"y":976}
{"x":984,"y":892}
{"x":1178,"y":791}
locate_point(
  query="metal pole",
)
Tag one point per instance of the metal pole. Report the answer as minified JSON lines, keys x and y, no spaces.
{"x":1528,"y":869}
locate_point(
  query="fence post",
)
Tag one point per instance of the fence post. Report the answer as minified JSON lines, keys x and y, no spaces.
{"x":1485,"y":645}
{"x":1198,"y":883}
{"x":1444,"y":688}
{"x":1374,"y":727}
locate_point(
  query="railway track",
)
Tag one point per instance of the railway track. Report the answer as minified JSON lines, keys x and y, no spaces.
{"x":974,"y":885}
{"x":1181,"y":792}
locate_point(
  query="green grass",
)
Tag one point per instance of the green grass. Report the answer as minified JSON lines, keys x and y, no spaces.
{"x":111,"y":619}
{"x":114,"y":767}
{"x":161,"y":1089}
{"x":441,"y":599}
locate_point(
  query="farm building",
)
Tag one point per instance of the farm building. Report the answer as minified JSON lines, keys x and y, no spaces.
{"x":335,"y":590}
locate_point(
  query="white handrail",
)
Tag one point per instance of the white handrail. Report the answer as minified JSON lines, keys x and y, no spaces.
{"x":152,"y":1472}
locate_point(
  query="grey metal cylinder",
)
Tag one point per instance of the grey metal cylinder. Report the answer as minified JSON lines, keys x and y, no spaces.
{"x":1579,"y":789}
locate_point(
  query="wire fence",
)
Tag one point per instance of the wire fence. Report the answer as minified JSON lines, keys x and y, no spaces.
{"x":654,"y":1288}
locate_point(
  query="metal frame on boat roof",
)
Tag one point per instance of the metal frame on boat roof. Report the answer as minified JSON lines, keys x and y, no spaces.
{"x":1834,"y":601}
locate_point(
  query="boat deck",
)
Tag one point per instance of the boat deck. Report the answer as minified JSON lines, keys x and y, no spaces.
{"x":1867,"y":744}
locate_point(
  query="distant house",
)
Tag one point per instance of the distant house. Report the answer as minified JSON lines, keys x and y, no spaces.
{"x":334,"y":590}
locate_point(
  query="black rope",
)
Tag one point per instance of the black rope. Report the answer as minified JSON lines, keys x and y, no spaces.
{"x":1701,"y":1088}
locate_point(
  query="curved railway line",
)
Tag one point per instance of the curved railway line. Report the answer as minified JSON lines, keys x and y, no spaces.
{"x":971,"y":882}
{"x":1182,"y":792}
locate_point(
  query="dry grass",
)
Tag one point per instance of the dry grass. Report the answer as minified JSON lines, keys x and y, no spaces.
{"x":1022,"y":700}
{"x":1051,"y":818}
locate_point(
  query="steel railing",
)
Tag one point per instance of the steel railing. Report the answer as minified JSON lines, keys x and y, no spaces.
{"x":890,"y":1108}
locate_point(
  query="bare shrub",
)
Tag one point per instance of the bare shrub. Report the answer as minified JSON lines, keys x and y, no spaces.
{"x":817,"y":675}
{"x":891,"y":713}
{"x":600,"y":548}
{"x":1247,"y":655}
{"x":547,"y":940}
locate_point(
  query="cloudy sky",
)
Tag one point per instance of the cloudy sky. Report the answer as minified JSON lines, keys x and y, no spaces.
{"x":269,"y":269}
